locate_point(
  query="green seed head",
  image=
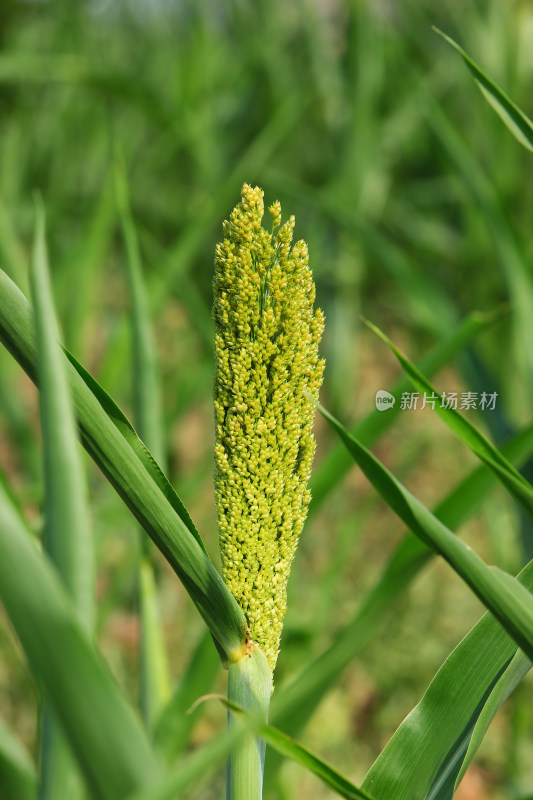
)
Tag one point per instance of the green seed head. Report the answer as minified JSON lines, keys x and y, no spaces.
{"x":267,"y":337}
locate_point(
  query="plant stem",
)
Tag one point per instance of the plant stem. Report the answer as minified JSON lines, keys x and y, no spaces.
{"x":250,"y":686}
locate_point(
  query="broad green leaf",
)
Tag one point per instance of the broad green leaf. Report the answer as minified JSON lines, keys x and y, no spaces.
{"x":102,"y":730}
{"x":515,"y":672}
{"x":427,"y":749}
{"x":173,"y":728}
{"x":141,"y":451}
{"x":514,"y":118}
{"x":112,"y":443}
{"x":18,"y":780}
{"x":155,"y":682}
{"x":507,"y":599}
{"x":336,"y":464}
{"x":517,"y":486}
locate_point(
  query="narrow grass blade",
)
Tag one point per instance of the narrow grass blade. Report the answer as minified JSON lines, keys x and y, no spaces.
{"x":67,"y":539}
{"x":507,"y":599}
{"x":111,"y":441}
{"x":155,"y":682}
{"x":147,"y":403}
{"x":101,"y":728}
{"x":513,"y":117}
{"x":173,"y":728}
{"x":517,"y":486}
{"x":337,"y":463}
{"x":509,"y":253}
{"x":427,"y":749}
{"x":18,"y":779}
{"x":288,"y":748}
{"x":87,"y":258}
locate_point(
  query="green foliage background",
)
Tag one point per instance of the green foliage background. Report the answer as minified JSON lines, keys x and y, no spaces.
{"x":416,"y":205}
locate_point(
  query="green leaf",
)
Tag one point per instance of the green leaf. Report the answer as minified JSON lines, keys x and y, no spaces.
{"x":112,"y":443}
{"x":67,"y":539}
{"x":514,"y":118}
{"x":127,"y":431}
{"x":288,"y":748}
{"x":336,"y":464}
{"x":424,"y":755}
{"x":101,"y":728}
{"x":18,"y":779}
{"x":147,"y":402}
{"x":155,"y":682}
{"x":507,"y":599}
{"x":517,"y":486}
{"x":513,"y":675}
{"x":196,"y":766}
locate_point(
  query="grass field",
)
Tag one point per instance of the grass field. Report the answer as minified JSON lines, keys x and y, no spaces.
{"x":416,"y":204}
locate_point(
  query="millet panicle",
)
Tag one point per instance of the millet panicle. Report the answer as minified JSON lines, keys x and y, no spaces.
{"x":266,"y":340}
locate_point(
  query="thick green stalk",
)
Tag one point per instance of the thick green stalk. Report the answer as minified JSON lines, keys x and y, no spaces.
{"x":250,"y":686}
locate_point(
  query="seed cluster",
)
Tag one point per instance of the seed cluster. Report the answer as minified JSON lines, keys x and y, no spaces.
{"x":266,"y":341}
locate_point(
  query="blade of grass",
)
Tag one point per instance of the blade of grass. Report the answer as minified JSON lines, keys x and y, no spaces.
{"x":517,"y":486}
{"x":512,"y":116}
{"x":101,"y":728}
{"x":507,"y":599}
{"x":338,"y":462}
{"x":18,"y":778}
{"x":111,"y":441}
{"x":509,"y":251}
{"x":87,"y":259}
{"x":155,"y":682}
{"x":67,"y":538}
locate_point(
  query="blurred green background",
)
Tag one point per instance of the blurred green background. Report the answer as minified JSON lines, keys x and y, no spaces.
{"x":416,"y":204}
